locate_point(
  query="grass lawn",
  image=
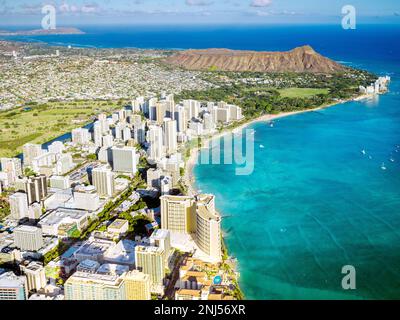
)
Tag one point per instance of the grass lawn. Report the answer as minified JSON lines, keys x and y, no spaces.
{"x":301,"y":92}
{"x":46,"y":122}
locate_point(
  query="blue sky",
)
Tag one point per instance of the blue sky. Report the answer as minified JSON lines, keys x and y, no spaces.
{"x":80,"y":12}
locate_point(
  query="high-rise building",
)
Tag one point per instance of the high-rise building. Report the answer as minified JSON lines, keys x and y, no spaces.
{"x":162,"y":238}
{"x":119,"y":127}
{"x":137,"y":285}
{"x":19,"y":205}
{"x":104,"y":124}
{"x":166,"y":185}
{"x":13,"y":287}
{"x":153,"y":178}
{"x":208,"y":121}
{"x":124,"y":159}
{"x":196,"y":216}
{"x":97,"y":134}
{"x":80,"y":136}
{"x":126,"y":134}
{"x":13,"y":168}
{"x":192,"y":107}
{"x":107,"y":141}
{"x":115,"y":117}
{"x":35,"y":276}
{"x":208,"y":227}
{"x":235,"y":112}
{"x":139,"y":133}
{"x":170,"y":107}
{"x":150,"y":260}
{"x":103,"y":180}
{"x":30,"y":152}
{"x":57,"y":147}
{"x":178,"y":213}
{"x":137,"y":104}
{"x":221,"y":113}
{"x":170,"y":136}
{"x":181,"y":119}
{"x":122,"y":115}
{"x":94,"y":286}
{"x":64,"y":164}
{"x":60,"y":182}
{"x":86,"y":198}
{"x":28,"y":238}
{"x":161,"y":109}
{"x":150,"y":109}
{"x":155,"y":139}
{"x":34,"y":187}
{"x":35,"y":211}
{"x":105,"y":155}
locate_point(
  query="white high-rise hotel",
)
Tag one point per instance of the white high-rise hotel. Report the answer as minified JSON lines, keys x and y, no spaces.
{"x":181,"y":119}
{"x":155,"y":139}
{"x":31,"y":151}
{"x":19,"y":205}
{"x":28,"y":238}
{"x":124,"y":159}
{"x":103,"y":180}
{"x":196,"y":216}
{"x":80,"y":136}
{"x":170,"y":136}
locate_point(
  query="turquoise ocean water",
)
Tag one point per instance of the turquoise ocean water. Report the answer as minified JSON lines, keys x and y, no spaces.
{"x":315,"y":202}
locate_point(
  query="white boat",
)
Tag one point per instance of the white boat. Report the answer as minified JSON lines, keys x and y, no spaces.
{"x":363,"y":152}
{"x":383,"y":167}
{"x":391,"y":160}
{"x":261,"y":146}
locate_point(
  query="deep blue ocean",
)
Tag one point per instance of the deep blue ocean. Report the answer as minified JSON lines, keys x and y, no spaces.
{"x":314,"y":202}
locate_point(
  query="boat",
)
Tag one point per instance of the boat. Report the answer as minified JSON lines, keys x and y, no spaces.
{"x":391,"y":160}
{"x":363,"y":152}
{"x":383,"y":167}
{"x":261,"y":146}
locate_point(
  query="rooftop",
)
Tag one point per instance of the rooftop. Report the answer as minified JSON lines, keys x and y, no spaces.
{"x":118,"y":224}
{"x":58,"y":215}
{"x":10,"y":280}
{"x":25,"y":228}
{"x":94,"y":247}
{"x":159,"y":234}
{"x":112,"y":268}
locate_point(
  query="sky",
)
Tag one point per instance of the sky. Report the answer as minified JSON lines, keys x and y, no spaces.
{"x":81,"y":12}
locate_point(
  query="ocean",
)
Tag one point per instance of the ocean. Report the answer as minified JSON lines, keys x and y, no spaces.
{"x":314,"y":202}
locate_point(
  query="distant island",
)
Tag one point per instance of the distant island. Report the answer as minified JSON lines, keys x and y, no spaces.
{"x":41,"y":32}
{"x":301,"y":59}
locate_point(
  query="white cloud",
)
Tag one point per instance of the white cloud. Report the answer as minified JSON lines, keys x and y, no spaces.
{"x":261,"y":3}
{"x":198,"y":2}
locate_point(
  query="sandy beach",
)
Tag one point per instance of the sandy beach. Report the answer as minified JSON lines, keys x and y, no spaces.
{"x":189,"y":178}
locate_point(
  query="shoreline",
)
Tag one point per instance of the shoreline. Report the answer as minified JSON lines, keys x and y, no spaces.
{"x":189,"y":177}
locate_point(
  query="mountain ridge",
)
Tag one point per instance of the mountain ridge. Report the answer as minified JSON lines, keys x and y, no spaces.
{"x":300,"y":59}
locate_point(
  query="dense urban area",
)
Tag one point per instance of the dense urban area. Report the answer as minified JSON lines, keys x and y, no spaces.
{"x":108,"y":212}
